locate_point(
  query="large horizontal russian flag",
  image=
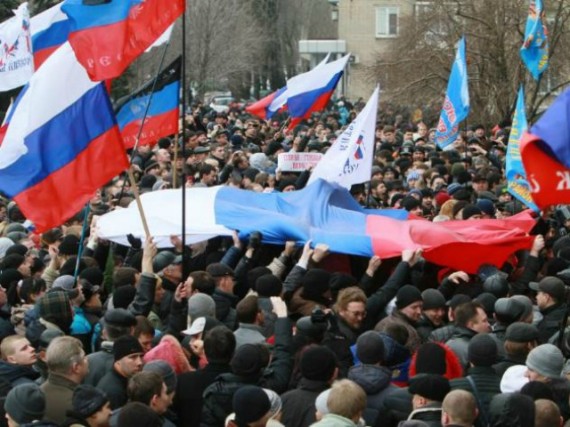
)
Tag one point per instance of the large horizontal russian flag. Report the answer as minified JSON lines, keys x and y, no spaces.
{"x":325,"y":213}
{"x":62,"y":142}
{"x":107,"y":35}
{"x":50,"y":29}
{"x":159,"y":101}
{"x":545,"y":153}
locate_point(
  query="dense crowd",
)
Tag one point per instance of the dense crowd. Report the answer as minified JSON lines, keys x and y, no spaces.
{"x":232,"y":332}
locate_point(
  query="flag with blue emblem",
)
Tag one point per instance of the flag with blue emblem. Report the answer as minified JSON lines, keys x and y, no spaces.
{"x":349,"y":160}
{"x":456,"y":105}
{"x":516,"y":177}
{"x":534,"y":51}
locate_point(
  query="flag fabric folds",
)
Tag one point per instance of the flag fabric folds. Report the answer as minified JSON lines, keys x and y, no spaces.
{"x":163,"y":113}
{"x":62,"y":142}
{"x":16,"y":58}
{"x":456,"y":104}
{"x":545,"y":151}
{"x":50,"y":29}
{"x":312,"y":92}
{"x":517,"y":183}
{"x":534,"y":51}
{"x":107,"y":35}
{"x":349,"y":160}
{"x":325,"y":213}
{"x":268,"y":106}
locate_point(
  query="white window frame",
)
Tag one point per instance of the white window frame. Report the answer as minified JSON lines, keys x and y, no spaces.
{"x":388,"y":10}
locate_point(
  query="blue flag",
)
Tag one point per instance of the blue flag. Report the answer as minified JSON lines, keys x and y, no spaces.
{"x":456,"y":105}
{"x":516,"y":177}
{"x":534,"y":51}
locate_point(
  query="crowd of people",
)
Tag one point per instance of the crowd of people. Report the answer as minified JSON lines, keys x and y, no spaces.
{"x":231,"y":332}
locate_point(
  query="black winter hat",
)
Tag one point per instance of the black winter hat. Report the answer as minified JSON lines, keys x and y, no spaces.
{"x":69,"y":245}
{"x":407,"y":295}
{"x":508,"y":310}
{"x":315,"y":283}
{"x":25,"y":403}
{"x":120,"y":317}
{"x":482,"y":350}
{"x":370,"y":348}
{"x":273,"y":147}
{"x":268,"y":286}
{"x":255,"y":273}
{"x":218,"y":269}
{"x":92,"y":274}
{"x":12,"y":261}
{"x":87,"y":400}
{"x":433,"y":298}
{"x":250,"y":404}
{"x":470,"y":210}
{"x":17,"y":248}
{"x":125,"y":346}
{"x":247,"y":360}
{"x":497,"y":284}
{"x":521,"y":332}
{"x":431,"y":359}
{"x":430,"y":386}
{"x":318,"y":363}
{"x":340,"y":281}
{"x":124,"y":296}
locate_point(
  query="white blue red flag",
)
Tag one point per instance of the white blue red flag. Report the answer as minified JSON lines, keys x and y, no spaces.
{"x":456,"y":105}
{"x":349,"y":160}
{"x":16,"y":58}
{"x":50,"y":29}
{"x":325,"y":213}
{"x":62,"y":142}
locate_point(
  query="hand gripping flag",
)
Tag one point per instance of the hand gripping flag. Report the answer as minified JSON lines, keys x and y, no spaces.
{"x":162,"y":117}
{"x":62,"y":142}
{"x":349,"y":160}
{"x":325,"y":213}
{"x":545,"y":151}
{"x":16,"y":58}
{"x":534,"y":51}
{"x":268,"y":106}
{"x":456,"y":105}
{"x":107,"y":35}
{"x":50,"y":29}
{"x":516,"y":177}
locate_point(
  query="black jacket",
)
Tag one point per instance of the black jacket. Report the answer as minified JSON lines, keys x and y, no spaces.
{"x":225,"y":312}
{"x":115,"y":386}
{"x":551,"y":321}
{"x":299,"y":404}
{"x":191,"y":385}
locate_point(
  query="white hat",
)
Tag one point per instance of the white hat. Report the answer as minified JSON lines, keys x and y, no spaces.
{"x":196,"y":328}
{"x":514,"y":379}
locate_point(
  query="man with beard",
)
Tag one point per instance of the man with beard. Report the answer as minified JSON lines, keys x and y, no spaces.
{"x":433,"y":313}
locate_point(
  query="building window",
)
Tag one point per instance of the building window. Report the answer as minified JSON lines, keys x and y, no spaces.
{"x":387,"y":21}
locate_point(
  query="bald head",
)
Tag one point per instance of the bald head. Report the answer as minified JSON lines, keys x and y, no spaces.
{"x":459,"y":408}
{"x":547,"y":414}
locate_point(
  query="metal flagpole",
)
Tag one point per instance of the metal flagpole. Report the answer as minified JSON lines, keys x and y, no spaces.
{"x":185,"y":254}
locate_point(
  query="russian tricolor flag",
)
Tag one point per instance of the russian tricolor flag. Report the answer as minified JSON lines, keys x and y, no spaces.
{"x":50,"y":29}
{"x":107,"y":35}
{"x":163,"y":113}
{"x":62,"y":142}
{"x":312,"y":93}
{"x":324,"y":213}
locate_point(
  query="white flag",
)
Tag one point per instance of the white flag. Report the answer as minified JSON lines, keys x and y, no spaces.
{"x":349,"y":160}
{"x":164,"y":38}
{"x":16,"y":57}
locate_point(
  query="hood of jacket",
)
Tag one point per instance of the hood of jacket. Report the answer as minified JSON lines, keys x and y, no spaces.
{"x":373,"y":379}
